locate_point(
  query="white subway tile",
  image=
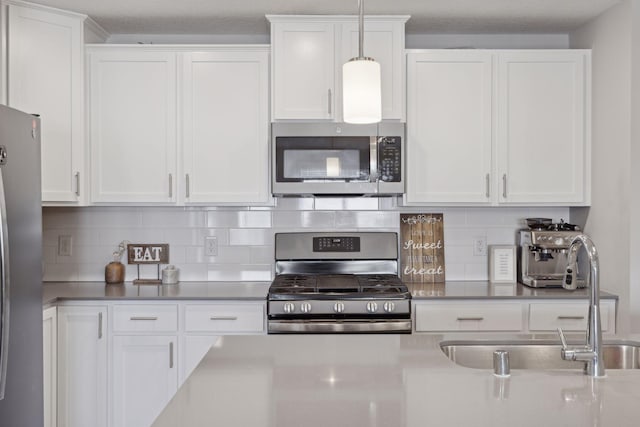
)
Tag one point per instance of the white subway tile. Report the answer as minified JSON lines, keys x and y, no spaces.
{"x":262,"y":254}
{"x":60,"y":273}
{"x":241,"y":219}
{"x":367,"y":219}
{"x":250,"y":236}
{"x":91,"y":272}
{"x":113,"y":236}
{"x":290,"y":220}
{"x":194,"y":237}
{"x":240,"y":272}
{"x":172,"y":218}
{"x":226,"y":255}
{"x":476,"y":271}
{"x":454,"y":271}
{"x":193,"y":272}
{"x":294,"y":203}
{"x":346,"y":203}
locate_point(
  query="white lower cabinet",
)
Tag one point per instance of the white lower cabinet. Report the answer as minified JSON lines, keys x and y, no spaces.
{"x":49,"y":365}
{"x":145,"y":377}
{"x":509,"y":316}
{"x":120,"y":363}
{"x":82,"y":366}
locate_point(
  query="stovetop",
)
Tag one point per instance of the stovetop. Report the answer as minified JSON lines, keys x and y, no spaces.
{"x":305,"y":286}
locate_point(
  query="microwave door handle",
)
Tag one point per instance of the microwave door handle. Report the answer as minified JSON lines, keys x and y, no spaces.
{"x":4,"y":290}
{"x":373,"y":159}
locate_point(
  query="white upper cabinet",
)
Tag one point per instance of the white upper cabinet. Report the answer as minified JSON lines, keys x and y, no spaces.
{"x":489,"y":127}
{"x":303,"y":70}
{"x":449,"y":135}
{"x":307,"y":57}
{"x":171,"y":125}
{"x":133,"y":126}
{"x":45,"y":76}
{"x":225,"y":127}
{"x":543,"y":126}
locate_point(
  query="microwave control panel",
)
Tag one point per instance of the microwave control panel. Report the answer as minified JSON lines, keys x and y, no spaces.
{"x":389,"y":159}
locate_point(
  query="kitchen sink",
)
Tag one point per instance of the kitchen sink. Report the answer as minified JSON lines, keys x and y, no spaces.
{"x":537,"y":354}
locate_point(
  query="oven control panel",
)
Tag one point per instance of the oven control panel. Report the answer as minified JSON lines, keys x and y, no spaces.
{"x":336,"y":244}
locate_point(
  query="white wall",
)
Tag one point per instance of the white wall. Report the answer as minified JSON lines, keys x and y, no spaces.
{"x":487,"y":41}
{"x":245,"y":235}
{"x":608,"y":221}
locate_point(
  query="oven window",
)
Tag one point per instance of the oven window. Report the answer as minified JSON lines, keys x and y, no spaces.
{"x":332,"y":158}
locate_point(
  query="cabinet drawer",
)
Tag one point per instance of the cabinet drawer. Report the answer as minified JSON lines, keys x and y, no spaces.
{"x":568,"y":316}
{"x":224,"y":318}
{"x":468,"y":317}
{"x":145,"y":318}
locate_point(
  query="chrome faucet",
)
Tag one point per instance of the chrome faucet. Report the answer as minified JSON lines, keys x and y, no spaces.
{"x":591,"y":353}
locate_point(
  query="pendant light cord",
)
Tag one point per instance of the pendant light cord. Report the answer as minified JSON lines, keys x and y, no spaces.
{"x":361,"y":29}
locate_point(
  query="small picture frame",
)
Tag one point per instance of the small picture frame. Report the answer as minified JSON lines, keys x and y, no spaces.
{"x":502,"y":264}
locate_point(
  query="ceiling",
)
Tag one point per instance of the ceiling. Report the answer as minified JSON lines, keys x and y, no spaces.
{"x":247,"y":16}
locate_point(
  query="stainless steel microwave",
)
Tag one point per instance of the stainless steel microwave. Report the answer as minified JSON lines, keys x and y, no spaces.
{"x":337,"y":159}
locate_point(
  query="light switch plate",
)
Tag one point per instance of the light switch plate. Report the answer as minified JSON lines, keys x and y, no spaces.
{"x":65,"y":243}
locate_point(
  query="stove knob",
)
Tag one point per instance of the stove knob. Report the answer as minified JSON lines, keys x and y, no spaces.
{"x":338,"y":307}
{"x":305,"y":307}
{"x":289,"y":307}
{"x":389,"y":306}
{"x":372,"y":307}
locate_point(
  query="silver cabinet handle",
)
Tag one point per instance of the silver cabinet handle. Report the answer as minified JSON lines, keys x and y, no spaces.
{"x":488,"y":185}
{"x":477,"y":319}
{"x":171,"y":355}
{"x":188,"y":184}
{"x":570,"y":317}
{"x":223,"y":318}
{"x":99,"y":326}
{"x":170,"y":185}
{"x":143,"y":318}
{"x":504,"y":185}
{"x":329,"y":101}
{"x":77,"y":176}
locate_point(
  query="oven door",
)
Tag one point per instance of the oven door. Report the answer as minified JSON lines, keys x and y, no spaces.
{"x":325,"y":165}
{"x":331,"y":326}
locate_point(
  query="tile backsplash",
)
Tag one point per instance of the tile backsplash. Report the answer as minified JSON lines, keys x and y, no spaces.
{"x":245,"y":235}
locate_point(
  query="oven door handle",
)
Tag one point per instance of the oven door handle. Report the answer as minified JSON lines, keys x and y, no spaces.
{"x":373,"y":159}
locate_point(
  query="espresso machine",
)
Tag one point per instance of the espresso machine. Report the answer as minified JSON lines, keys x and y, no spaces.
{"x":542,"y":253}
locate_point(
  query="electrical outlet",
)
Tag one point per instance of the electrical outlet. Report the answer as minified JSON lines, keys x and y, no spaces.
{"x":211,"y":246}
{"x":480,"y":246}
{"x":65,"y":243}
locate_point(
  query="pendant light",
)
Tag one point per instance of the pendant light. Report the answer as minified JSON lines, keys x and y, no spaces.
{"x":361,"y":93}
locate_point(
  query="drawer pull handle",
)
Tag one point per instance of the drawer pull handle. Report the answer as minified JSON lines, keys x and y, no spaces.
{"x":99,"y":326}
{"x":476,"y":319}
{"x":143,"y":318}
{"x":171,"y":355}
{"x":570,"y":317}
{"x":223,"y":318}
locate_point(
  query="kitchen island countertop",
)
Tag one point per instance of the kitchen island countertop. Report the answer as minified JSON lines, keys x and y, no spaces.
{"x":385,"y":380}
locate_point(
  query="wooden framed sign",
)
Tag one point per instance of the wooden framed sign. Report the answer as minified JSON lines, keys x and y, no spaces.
{"x":145,"y":253}
{"x":422,"y":248}
{"x":148,"y":253}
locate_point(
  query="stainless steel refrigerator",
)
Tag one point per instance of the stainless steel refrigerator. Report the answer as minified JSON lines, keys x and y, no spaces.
{"x":20,"y":270}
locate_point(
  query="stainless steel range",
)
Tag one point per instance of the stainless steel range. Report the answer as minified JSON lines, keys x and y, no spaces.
{"x":338,"y":283}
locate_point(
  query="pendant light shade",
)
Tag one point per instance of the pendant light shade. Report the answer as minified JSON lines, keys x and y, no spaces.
{"x":361,"y":92}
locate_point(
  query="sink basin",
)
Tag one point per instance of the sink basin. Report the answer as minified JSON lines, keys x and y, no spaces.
{"x":537,"y":354}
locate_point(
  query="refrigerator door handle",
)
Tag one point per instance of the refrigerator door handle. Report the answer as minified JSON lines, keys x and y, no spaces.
{"x":4,"y":287}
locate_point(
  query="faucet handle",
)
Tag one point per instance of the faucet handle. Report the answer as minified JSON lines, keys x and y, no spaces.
{"x":562,"y":339}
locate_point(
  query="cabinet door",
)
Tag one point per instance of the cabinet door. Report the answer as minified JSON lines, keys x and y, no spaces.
{"x":82,"y":366}
{"x":226,"y":127}
{"x":449,"y":127}
{"x":303,"y":70}
{"x":49,"y":363}
{"x":133,"y":126}
{"x":145,"y":377}
{"x":543,"y":127}
{"x":45,"y":77}
{"x":384,"y":42}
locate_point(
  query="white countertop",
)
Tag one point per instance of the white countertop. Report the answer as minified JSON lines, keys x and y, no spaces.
{"x":389,"y":381}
